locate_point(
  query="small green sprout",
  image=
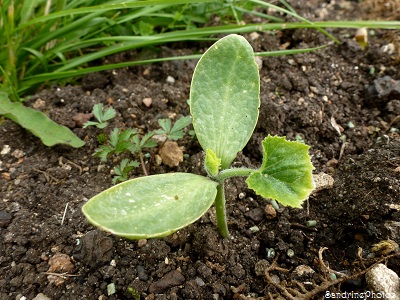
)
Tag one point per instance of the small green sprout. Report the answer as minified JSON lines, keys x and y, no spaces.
{"x":129,"y":141}
{"x":224,"y":104}
{"x":121,"y":171}
{"x":118,"y":142}
{"x":101,"y":116}
{"x":125,"y":141}
{"x":173,"y":132}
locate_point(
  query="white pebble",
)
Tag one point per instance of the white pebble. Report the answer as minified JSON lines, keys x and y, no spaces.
{"x":147,"y":102}
{"x":170,"y":79}
{"x":6,"y":149}
{"x":383,"y":280}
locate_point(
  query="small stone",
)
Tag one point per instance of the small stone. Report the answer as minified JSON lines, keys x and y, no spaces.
{"x":171,"y":154}
{"x":60,"y":263}
{"x":6,"y":149}
{"x":270,"y":212}
{"x":5,"y":218}
{"x":39,"y":103}
{"x":147,"y":102}
{"x":381,"y":279}
{"x":142,"y":243}
{"x":95,"y":249}
{"x":260,"y":266}
{"x":18,"y":153}
{"x":275,"y":279}
{"x":303,"y":270}
{"x":322,"y":181}
{"x":200,"y":281}
{"x":170,"y":79}
{"x":41,"y":296}
{"x":146,"y":72}
{"x":141,"y":272}
{"x":256,"y":214}
{"x":169,"y":280}
{"x":254,"y":36}
{"x":242,"y":195}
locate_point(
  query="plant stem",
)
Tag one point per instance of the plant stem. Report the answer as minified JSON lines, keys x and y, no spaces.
{"x":227,"y":173}
{"x":221,"y":211}
{"x":142,"y":163}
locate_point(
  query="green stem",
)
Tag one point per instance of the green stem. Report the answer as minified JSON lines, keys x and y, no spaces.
{"x":227,"y":173}
{"x":221,"y":211}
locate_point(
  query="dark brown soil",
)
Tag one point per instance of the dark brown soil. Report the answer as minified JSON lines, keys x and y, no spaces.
{"x":303,"y":97}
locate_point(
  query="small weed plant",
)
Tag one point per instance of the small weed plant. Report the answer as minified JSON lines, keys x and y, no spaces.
{"x":102,"y":116}
{"x":129,"y":141}
{"x":224,"y":104}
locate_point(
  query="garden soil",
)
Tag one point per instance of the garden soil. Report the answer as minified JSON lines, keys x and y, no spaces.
{"x":342,"y":101}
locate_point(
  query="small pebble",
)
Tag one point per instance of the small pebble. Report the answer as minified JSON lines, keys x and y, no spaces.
{"x":256,"y":214}
{"x":41,"y":296}
{"x":199,"y":281}
{"x":290,"y":253}
{"x":6,"y":149}
{"x":142,"y":243}
{"x":260,"y":266}
{"x":110,"y":289}
{"x":142,"y":274}
{"x":171,"y":154}
{"x":5,"y":218}
{"x":303,"y":270}
{"x":169,"y":280}
{"x":270,"y":212}
{"x":18,"y":153}
{"x":322,"y":181}
{"x":170,"y":79}
{"x":381,"y":279}
{"x":147,"y":102}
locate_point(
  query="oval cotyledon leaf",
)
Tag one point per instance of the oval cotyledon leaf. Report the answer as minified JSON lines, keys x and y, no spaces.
{"x":225,"y":97}
{"x":151,"y":206}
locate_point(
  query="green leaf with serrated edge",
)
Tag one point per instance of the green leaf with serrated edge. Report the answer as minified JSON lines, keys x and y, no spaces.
{"x":165,"y":124}
{"x":286,"y":172}
{"x":98,"y":112}
{"x":38,"y":123}
{"x":212,"y":163}
{"x":114,"y":136}
{"x":174,"y":136}
{"x":225,"y":97}
{"x":181,"y":123}
{"x":109,"y":114}
{"x":151,"y":206}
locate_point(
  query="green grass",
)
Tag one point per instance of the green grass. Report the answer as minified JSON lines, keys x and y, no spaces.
{"x":49,"y":41}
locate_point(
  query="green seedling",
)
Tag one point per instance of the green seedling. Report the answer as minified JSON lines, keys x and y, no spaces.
{"x":224,"y":103}
{"x":121,"y":171}
{"x":101,"y":116}
{"x":173,"y":132}
{"x":126,"y":141}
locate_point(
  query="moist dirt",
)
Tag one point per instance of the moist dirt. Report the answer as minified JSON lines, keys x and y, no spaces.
{"x":342,"y":101}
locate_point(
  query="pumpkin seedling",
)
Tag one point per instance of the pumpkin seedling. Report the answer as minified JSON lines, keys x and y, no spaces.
{"x":224,"y":103}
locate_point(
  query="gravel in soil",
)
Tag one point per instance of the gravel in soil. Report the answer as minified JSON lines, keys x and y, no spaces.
{"x":330,"y":99}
